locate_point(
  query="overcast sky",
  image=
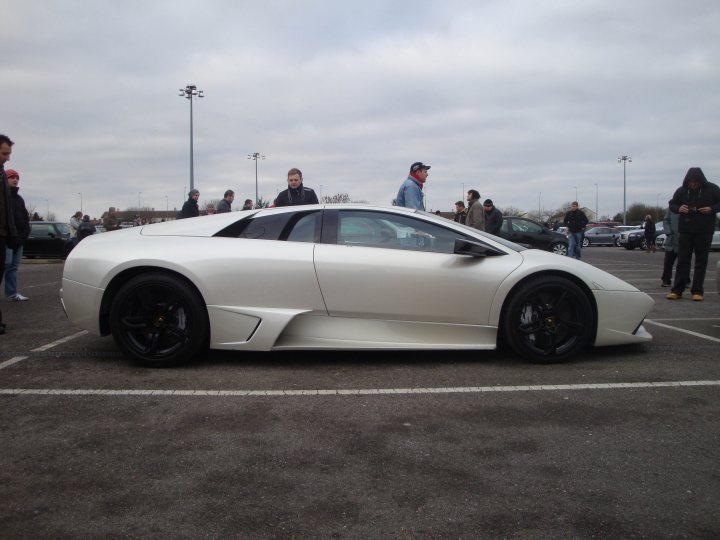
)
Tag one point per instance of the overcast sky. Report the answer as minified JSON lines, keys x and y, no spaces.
{"x":524,"y":101}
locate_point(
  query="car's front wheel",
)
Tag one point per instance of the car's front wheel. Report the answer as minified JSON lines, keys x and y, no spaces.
{"x":158,"y":320}
{"x":548,"y":319}
{"x":585,"y":242}
{"x":559,"y":248}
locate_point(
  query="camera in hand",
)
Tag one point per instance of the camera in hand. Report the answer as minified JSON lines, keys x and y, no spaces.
{"x":692,"y":209}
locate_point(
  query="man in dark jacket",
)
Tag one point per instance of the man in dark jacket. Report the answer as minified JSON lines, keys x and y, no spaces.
{"x":493,"y":218}
{"x":225,"y":205}
{"x":296,"y":194}
{"x":7,"y":224}
{"x":576,"y":221}
{"x":86,"y":228}
{"x":190,"y":208}
{"x":697,"y":202}
{"x":14,"y":251}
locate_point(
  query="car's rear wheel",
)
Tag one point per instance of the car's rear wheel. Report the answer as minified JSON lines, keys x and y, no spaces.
{"x":548,"y":319}
{"x":159,"y":320}
{"x":585,"y":242}
{"x":617,"y":242}
{"x":559,"y":248}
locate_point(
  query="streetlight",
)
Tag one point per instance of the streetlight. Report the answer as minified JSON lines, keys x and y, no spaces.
{"x":255,"y":156}
{"x":139,"y":193}
{"x":624,"y":160}
{"x":47,"y":216}
{"x":596,"y":202}
{"x":80,"y":193}
{"x":167,"y":204}
{"x":576,"y":193}
{"x":188,"y":92}
{"x":539,"y":197}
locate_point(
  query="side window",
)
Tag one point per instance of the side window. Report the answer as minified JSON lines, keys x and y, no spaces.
{"x":529,"y":226}
{"x":506,"y":225}
{"x":390,"y":231}
{"x":291,"y":226}
{"x":305,"y":229}
{"x":260,"y":228}
{"x":41,"y":229}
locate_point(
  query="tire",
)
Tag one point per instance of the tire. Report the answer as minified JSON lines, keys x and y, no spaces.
{"x":559,"y":248}
{"x":643,"y":244}
{"x":158,"y":320}
{"x":617,"y":242}
{"x":548,"y":319}
{"x":585,"y":242}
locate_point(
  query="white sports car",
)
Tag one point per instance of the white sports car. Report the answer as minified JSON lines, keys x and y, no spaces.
{"x":339,"y":277}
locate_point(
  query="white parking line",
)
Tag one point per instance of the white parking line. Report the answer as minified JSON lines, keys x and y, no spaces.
{"x":350,"y":392}
{"x":59,"y":341}
{"x":17,"y":359}
{"x":696,"y":334}
{"x":13,"y":360}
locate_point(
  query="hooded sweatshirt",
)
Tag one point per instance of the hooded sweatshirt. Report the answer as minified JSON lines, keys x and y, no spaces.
{"x":707,"y":194}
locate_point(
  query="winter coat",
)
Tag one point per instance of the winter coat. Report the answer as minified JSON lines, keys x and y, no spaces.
{"x":708,"y":194}
{"x":575,"y":221}
{"x":475,"y":215}
{"x":493,"y":221}
{"x":670,"y":227}
{"x":296,"y":196}
{"x":189,"y":209}
{"x":21,"y":216}
{"x":223,"y":207}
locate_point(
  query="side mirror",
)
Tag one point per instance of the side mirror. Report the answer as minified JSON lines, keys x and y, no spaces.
{"x":474,"y":249}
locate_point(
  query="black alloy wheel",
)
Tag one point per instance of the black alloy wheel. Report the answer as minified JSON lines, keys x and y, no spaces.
{"x":159,"y":320}
{"x":548,"y":319}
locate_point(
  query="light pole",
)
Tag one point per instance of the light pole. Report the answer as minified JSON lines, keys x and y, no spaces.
{"x":576,"y":193}
{"x":167,"y":204}
{"x":624,"y":160}
{"x":139,"y":193}
{"x":462,"y":196}
{"x":47,"y":216}
{"x":80,"y":193}
{"x":188,"y":92}
{"x":597,"y":216}
{"x":255,"y":156}
{"x":539,"y":197}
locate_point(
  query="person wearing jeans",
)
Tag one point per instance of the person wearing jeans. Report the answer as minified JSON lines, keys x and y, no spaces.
{"x":14,"y":247}
{"x":575,"y":220}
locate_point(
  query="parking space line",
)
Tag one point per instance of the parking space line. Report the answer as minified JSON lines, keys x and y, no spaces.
{"x":696,"y":334}
{"x":351,"y":392}
{"x":59,"y":342}
{"x":12,"y":361}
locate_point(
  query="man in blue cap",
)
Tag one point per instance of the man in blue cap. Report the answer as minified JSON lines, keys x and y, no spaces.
{"x":410,"y":194}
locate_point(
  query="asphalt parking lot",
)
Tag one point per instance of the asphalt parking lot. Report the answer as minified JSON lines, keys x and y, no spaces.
{"x":622,"y":442}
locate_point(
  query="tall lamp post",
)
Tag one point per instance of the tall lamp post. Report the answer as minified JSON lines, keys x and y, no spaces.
{"x":188,"y":93}
{"x":47,"y":216}
{"x":624,"y":160}
{"x":255,"y":156}
{"x":576,"y":198}
{"x":80,"y":193}
{"x":597,"y":216}
{"x":139,"y":193}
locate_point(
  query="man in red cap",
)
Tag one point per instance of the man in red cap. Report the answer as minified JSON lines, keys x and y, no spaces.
{"x":7,"y":225}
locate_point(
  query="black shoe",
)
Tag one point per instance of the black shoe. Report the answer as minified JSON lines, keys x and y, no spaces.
{"x":665,"y":284}
{"x":2,"y":328}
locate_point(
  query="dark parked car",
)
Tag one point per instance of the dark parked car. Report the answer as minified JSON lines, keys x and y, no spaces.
{"x":48,"y":239}
{"x":529,"y":233}
{"x":635,"y":238}
{"x":601,"y":236}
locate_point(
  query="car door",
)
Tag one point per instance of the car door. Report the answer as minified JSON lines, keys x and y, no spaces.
{"x":381,"y":265}
{"x":526,"y":232}
{"x":42,"y":240}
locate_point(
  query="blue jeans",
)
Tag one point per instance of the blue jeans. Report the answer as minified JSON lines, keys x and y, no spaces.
{"x":575,"y":244}
{"x":12,"y":261}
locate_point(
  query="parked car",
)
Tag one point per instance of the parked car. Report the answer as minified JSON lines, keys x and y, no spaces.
{"x":532,"y":234}
{"x":48,"y":240}
{"x":601,"y":236}
{"x":562,"y":230}
{"x":633,"y":238}
{"x":339,"y":277}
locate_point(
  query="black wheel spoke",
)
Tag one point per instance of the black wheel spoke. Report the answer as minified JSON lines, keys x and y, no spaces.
{"x":133,"y":322}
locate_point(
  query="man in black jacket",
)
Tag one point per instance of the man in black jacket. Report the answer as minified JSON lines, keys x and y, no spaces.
{"x":190,"y":208}
{"x":296,"y":194}
{"x":14,"y":252}
{"x":7,"y":224}
{"x":493,"y":218}
{"x":576,"y":221}
{"x":697,"y":202}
